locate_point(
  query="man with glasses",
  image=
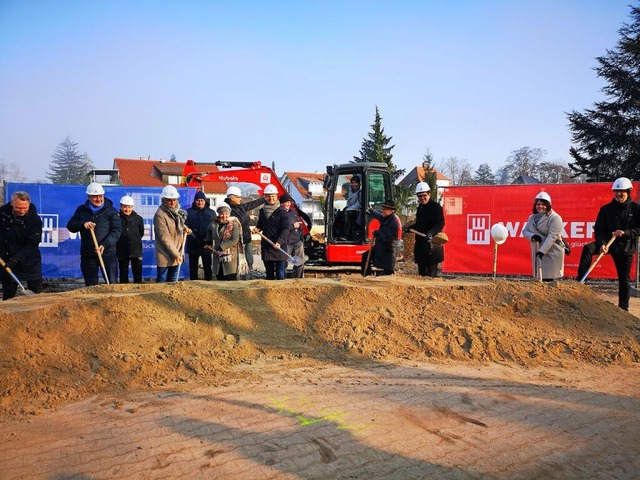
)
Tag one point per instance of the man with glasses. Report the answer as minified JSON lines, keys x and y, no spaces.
{"x":97,"y":214}
{"x":620,"y":220}
{"x":20,"y":236}
{"x":429,"y":222}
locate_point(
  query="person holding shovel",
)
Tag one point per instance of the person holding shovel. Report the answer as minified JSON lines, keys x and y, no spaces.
{"x":170,"y":232}
{"x":199,"y":217}
{"x":129,"y":245}
{"x":224,"y":238}
{"x":383,"y":254}
{"x":273,"y":223}
{"x":429,"y":222}
{"x":544,"y":232}
{"x":99,"y":224}
{"x":20,"y":237}
{"x":616,"y":231}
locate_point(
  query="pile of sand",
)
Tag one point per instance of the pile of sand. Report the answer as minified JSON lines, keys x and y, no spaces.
{"x":60,"y":347}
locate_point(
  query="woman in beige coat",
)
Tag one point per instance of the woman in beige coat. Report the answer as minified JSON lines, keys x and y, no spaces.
{"x":544,"y":231}
{"x":224,"y":238}
{"x":169,"y":232}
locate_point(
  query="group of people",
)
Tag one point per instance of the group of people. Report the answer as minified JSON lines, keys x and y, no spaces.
{"x":220,"y":240}
{"x":616,"y":231}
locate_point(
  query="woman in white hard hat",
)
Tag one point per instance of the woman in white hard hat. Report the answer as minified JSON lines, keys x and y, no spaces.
{"x":99,"y":215}
{"x":619,"y":219}
{"x":544,"y":232}
{"x":129,"y":245}
{"x":169,"y":228}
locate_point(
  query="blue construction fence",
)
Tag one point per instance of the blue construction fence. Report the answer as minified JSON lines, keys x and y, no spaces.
{"x":56,"y":204}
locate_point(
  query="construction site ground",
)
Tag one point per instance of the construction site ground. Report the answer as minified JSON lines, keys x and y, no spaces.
{"x":396,"y":377}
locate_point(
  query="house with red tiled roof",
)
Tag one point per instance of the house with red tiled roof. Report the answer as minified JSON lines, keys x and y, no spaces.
{"x":307,"y":191}
{"x":142,"y":172}
{"x":417,"y":174}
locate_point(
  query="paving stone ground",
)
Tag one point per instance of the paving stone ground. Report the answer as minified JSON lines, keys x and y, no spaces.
{"x":359,"y":421}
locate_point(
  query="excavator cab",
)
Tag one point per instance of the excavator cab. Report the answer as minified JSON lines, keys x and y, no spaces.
{"x":352,"y":188}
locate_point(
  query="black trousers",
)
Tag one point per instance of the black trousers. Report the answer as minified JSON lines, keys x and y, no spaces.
{"x":194,"y":263}
{"x":10,"y":287}
{"x":622,"y":261}
{"x":136,"y":269}
{"x":90,"y":267}
{"x":425,"y":270}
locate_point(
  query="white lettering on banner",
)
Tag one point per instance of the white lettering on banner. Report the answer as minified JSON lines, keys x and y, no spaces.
{"x":228,"y":178}
{"x":478,"y":232}
{"x":478,"y":229}
{"x":49,"y":230}
{"x":265,"y":177}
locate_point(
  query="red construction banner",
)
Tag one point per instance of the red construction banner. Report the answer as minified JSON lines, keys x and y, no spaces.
{"x":470,"y":211}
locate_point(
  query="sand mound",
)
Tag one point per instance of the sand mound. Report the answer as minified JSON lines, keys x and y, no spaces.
{"x":60,"y":347}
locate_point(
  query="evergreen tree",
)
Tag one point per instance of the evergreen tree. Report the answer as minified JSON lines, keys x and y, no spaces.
{"x":484,"y":175}
{"x":607,"y":136}
{"x":376,"y":149}
{"x":430,"y":175}
{"x":68,"y":166}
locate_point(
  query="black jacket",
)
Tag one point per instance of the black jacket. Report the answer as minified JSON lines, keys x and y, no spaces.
{"x":430,"y":221}
{"x":198,"y":220}
{"x":618,"y":216}
{"x":108,"y":228}
{"x":240,"y":212}
{"x":277,"y":229}
{"x":129,"y":245}
{"x":386,"y":239}
{"x":19,"y":240}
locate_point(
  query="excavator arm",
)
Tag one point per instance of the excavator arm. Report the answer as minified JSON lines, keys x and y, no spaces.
{"x":240,"y":172}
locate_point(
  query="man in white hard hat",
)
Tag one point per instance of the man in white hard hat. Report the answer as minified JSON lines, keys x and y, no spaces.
{"x":97,"y":214}
{"x":129,"y":245}
{"x":619,"y":219}
{"x":169,"y":228}
{"x":241,"y":210}
{"x":429,"y":222}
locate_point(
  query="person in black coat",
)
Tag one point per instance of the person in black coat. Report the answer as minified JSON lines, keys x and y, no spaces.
{"x":383,"y":254}
{"x":99,"y":215}
{"x":619,"y":218}
{"x":274,"y":223}
{"x":199,"y":217}
{"x":240,"y":211}
{"x":129,"y":245}
{"x":429,"y":221}
{"x":20,"y":237}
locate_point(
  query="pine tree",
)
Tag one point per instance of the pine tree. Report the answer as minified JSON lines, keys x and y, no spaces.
{"x":607,"y":137}
{"x":68,"y":166}
{"x":484,"y":175}
{"x":375,"y":149}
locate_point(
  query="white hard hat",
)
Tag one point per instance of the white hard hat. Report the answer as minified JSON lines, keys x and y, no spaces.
{"x":622,"y":183}
{"x":126,"y":200}
{"x":269,"y":189}
{"x":170,"y":192}
{"x":499,"y":233}
{"x":422,"y":187}
{"x":234,"y":191}
{"x":95,"y":189}
{"x":544,"y":196}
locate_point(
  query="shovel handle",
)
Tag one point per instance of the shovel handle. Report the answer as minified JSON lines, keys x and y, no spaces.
{"x":294,"y":260}
{"x":95,"y":244}
{"x":15,"y":279}
{"x":538,"y":262}
{"x":593,"y":265}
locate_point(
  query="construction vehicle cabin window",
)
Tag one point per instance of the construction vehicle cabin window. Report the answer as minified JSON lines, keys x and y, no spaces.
{"x":377,"y":191}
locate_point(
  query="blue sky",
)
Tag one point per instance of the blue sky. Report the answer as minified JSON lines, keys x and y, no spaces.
{"x":297,"y":82}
